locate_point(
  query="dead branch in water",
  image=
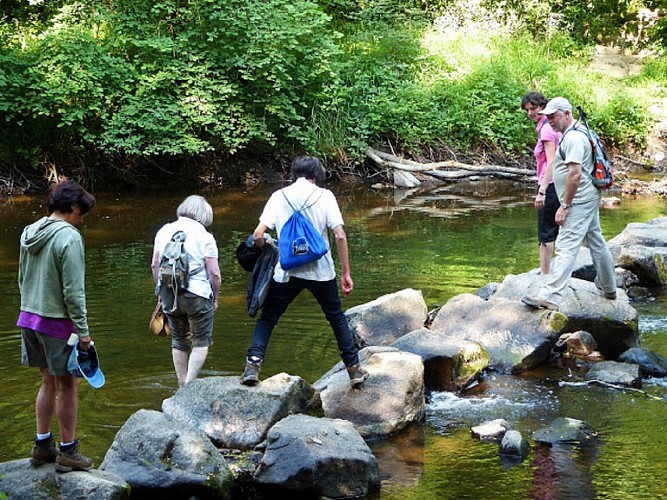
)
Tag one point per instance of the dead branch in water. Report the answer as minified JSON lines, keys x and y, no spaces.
{"x":446,"y":170}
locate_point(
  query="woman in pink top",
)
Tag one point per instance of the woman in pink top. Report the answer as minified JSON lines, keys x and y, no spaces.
{"x":546,"y":200}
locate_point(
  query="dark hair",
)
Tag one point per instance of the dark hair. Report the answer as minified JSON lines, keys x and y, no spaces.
{"x":68,"y":193}
{"x":534,"y":98}
{"x":309,"y":167}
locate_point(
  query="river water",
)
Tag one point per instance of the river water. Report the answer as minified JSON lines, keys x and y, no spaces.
{"x":442,"y":240}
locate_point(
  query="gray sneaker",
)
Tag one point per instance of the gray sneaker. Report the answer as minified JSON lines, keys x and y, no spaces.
{"x":606,"y":295}
{"x":43,"y":452}
{"x":539,"y":302}
{"x":70,"y":459}
{"x":357,"y":375}
{"x":251,"y":373}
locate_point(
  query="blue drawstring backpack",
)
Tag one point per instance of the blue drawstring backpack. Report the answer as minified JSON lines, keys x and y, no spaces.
{"x":299,"y":242}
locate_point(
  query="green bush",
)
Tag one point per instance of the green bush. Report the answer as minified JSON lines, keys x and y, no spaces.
{"x":174,"y":80}
{"x":218,"y":74}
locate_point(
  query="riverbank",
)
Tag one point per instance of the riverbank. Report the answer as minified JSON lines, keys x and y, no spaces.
{"x":633,"y":176}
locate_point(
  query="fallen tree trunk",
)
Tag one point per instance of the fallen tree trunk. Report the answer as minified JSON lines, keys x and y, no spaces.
{"x":457,"y":170}
{"x":462,"y":174}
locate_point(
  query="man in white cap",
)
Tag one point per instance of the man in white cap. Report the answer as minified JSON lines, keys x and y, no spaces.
{"x":579,"y":212}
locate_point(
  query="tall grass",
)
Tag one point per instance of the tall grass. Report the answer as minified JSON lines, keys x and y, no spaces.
{"x":417,"y":84}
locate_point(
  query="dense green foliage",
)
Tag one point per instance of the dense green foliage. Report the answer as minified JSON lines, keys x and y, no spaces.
{"x":97,"y":87}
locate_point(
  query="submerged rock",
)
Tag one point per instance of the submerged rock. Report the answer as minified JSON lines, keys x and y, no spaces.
{"x":565,"y":430}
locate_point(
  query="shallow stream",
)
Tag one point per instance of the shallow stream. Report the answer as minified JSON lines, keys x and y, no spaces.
{"x":443,"y":241}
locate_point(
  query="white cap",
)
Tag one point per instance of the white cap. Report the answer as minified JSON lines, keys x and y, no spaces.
{"x":556,"y":104}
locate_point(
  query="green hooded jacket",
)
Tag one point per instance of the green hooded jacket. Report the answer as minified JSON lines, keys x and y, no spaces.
{"x":52,"y":272}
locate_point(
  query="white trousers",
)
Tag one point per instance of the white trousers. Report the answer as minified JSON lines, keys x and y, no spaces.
{"x":582,"y":226}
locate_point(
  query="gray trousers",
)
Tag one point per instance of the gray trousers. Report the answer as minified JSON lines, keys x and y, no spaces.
{"x":582,"y":226}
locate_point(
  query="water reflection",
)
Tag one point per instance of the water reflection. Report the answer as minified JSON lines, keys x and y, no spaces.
{"x":443,"y":240}
{"x":564,"y":472}
{"x":401,"y":458}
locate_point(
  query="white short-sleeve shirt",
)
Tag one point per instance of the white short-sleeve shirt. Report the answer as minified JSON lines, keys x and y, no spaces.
{"x":322,"y":210}
{"x":199,"y":244}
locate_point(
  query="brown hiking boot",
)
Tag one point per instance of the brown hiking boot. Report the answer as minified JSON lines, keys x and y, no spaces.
{"x":251,"y":373}
{"x":43,"y":452}
{"x":70,"y":459}
{"x":357,"y":375}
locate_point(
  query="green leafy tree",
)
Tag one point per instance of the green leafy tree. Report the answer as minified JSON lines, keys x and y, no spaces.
{"x":217,"y":75}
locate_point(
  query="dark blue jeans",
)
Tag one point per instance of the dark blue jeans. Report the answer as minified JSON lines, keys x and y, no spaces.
{"x":281,"y":295}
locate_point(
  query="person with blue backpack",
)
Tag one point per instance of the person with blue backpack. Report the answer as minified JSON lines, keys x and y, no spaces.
{"x":579,"y":213}
{"x":304,"y":198}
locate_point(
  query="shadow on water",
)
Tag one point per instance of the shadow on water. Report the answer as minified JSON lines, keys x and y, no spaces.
{"x":443,"y":240}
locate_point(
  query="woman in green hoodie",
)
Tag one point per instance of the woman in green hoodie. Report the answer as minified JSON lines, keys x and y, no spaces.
{"x":53,"y":306}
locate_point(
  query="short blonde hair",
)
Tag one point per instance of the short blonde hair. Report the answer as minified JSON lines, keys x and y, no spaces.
{"x":197,"y":208}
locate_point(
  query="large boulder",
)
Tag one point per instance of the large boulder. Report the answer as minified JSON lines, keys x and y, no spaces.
{"x":613,"y":323}
{"x":642,"y":248}
{"x":516,"y":337}
{"x":160,"y":457}
{"x":21,"y":481}
{"x":235,"y":415}
{"x":319,"y":457}
{"x":391,"y":398}
{"x":449,"y":364}
{"x":387,"y":318}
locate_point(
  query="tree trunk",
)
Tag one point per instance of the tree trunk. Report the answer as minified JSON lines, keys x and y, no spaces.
{"x":454,"y":169}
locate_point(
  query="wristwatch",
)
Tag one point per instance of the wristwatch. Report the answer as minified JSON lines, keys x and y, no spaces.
{"x":564,"y":206}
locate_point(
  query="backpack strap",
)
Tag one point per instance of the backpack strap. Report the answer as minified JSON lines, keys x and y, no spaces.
{"x":304,"y":207}
{"x":562,"y":139}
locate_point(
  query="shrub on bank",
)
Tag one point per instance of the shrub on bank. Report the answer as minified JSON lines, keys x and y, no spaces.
{"x":91,"y":86}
